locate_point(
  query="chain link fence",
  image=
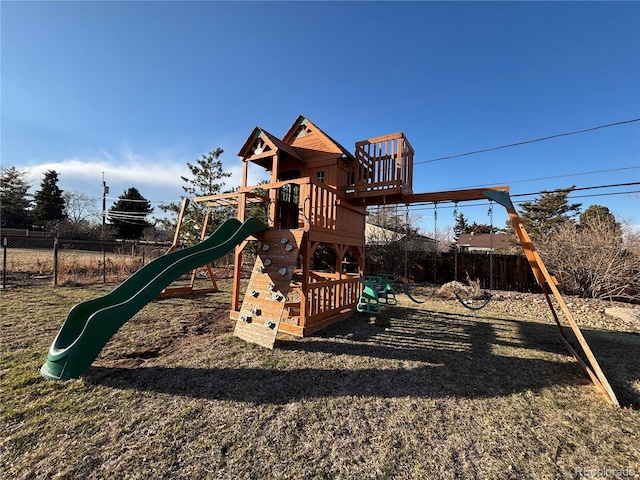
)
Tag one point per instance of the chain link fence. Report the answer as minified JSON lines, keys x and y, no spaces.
{"x":46,"y":260}
{"x":50,"y":261}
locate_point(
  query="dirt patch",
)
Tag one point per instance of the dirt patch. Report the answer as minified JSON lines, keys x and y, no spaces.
{"x":629,"y":315}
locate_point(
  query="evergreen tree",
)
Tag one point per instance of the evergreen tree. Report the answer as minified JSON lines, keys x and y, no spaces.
{"x":461,"y":226}
{"x":599,"y":212}
{"x":478,"y":228}
{"x":128,"y":215}
{"x":596,"y":216}
{"x":548,"y":213}
{"x":49,"y":203}
{"x":206,"y":176}
{"x":14,"y":199}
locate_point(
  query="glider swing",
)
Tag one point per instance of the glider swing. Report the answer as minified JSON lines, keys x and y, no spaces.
{"x":467,"y":303}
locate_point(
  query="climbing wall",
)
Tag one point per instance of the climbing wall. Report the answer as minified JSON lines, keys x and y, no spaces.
{"x":265,"y":298}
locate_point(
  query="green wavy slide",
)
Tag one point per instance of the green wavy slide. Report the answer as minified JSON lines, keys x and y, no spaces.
{"x":90,"y":324}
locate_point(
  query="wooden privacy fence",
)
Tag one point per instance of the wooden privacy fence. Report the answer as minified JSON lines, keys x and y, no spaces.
{"x":510,"y":272}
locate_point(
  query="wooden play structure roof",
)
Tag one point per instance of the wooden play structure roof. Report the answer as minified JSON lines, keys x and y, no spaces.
{"x":262,"y":145}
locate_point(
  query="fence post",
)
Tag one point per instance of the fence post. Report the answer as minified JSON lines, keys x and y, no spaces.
{"x":55,"y":262}
{"x":4,"y":262}
{"x":104,"y":265}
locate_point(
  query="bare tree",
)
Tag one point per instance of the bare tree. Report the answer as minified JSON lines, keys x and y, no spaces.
{"x":392,"y":238}
{"x":598,"y":259}
{"x":80,"y":207}
{"x":82,"y":216}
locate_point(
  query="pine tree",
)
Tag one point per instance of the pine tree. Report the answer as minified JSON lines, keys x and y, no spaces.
{"x":598,"y":216}
{"x":599,"y":212}
{"x":461,"y":226}
{"x":49,"y":202}
{"x":548,"y":213}
{"x":206,"y":176}
{"x":14,"y":199}
{"x":128,"y":215}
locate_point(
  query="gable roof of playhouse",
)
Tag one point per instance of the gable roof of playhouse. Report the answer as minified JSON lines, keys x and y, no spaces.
{"x":247,"y":149}
{"x":303,"y":127}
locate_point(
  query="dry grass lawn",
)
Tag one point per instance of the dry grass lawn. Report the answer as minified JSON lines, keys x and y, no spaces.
{"x":425,"y":391}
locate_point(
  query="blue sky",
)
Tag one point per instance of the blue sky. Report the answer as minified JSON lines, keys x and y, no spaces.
{"x":138,"y":89}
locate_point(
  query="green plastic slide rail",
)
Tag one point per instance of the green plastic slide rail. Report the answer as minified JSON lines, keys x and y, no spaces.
{"x":90,"y":324}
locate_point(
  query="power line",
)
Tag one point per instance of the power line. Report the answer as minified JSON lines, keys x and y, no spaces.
{"x":577,"y":189}
{"x":553,"y":177}
{"x":604,"y":194}
{"x":427,"y":205}
{"x":526,"y":142}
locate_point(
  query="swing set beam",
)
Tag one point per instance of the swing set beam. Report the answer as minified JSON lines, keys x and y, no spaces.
{"x":453,"y":195}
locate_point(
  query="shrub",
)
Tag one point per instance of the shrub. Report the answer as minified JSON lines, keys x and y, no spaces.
{"x":598,"y":259}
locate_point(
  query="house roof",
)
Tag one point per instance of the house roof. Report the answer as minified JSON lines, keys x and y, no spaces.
{"x":376,"y":235}
{"x":291,"y":134}
{"x":483,"y":241}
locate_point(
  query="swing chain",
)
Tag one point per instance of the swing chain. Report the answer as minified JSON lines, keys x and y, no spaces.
{"x":406,"y":244}
{"x":455,"y":254}
{"x":382,"y":211}
{"x":435,"y":237}
{"x":490,"y":213}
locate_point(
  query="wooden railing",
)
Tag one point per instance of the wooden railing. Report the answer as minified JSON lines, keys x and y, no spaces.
{"x":326,"y":209}
{"x":384,"y":163}
{"x":331,"y":296}
{"x":323,"y":207}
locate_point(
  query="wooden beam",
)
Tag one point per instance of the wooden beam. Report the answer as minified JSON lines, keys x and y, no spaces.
{"x":203,"y":235}
{"x":453,"y":195}
{"x":548,"y":283}
{"x":237,"y":273}
{"x":383,"y":138}
{"x":306,"y":268}
{"x":245,"y":170}
{"x":176,"y":235}
{"x":229,"y":196}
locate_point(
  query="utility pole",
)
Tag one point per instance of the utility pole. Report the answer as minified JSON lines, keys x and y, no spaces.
{"x":105,"y":191}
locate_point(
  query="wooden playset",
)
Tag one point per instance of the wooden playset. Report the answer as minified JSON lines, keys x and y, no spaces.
{"x":317,"y":197}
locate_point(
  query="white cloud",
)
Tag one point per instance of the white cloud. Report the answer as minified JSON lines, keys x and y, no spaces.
{"x":136,"y":171}
{"x":156,"y":174}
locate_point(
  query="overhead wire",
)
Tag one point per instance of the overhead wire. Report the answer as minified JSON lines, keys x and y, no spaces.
{"x":577,"y":189}
{"x":526,"y":142}
{"x":428,"y":205}
{"x":592,"y":172}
